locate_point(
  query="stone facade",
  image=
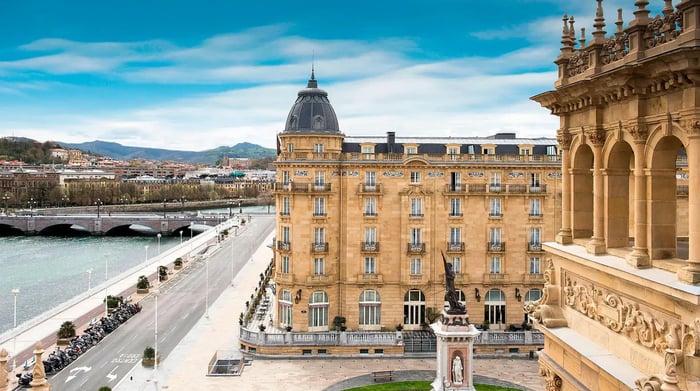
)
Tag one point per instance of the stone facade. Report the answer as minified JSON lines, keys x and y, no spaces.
{"x":620,"y":304}
{"x":362,"y":222}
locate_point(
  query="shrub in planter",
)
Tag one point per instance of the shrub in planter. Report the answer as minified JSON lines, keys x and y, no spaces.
{"x":149,"y":352}
{"x":142,"y":284}
{"x":162,"y":273}
{"x":177,"y":263}
{"x":288,"y":328}
{"x":66,"y":331}
{"x":114,"y":301}
{"x":149,"y":357}
{"x":339,"y":323}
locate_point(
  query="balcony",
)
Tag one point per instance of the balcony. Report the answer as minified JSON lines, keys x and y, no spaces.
{"x":517,"y":189}
{"x":319,"y":247}
{"x":477,"y":188}
{"x":533,"y":278}
{"x":284,"y":278}
{"x":370,"y":278}
{"x":284,"y":214}
{"x":370,"y":214}
{"x":415,"y":215}
{"x":369,"y":247}
{"x":416,"y":248}
{"x":495,"y":278}
{"x":293,"y":187}
{"x":534,"y":247}
{"x":494,"y":188}
{"x":455,"y":215}
{"x":537,"y":189}
{"x":319,"y":279}
{"x":496,"y":247}
{"x":495,"y":215}
{"x":371,"y":188}
{"x":455,"y":247}
{"x":535,"y":215}
{"x":460,"y":278}
{"x":284,"y":246}
{"x":456,"y":188}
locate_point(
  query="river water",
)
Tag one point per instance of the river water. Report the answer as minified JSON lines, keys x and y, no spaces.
{"x":51,"y":270}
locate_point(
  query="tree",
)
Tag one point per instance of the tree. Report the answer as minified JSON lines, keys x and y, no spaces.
{"x":162,"y":272}
{"x":142,"y":283}
{"x":149,"y":353}
{"x":67,"y":330}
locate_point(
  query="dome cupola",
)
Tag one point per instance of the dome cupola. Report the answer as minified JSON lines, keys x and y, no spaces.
{"x":312,"y":112}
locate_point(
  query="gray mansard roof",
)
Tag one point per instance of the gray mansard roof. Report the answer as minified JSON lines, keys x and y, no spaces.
{"x":506,"y":143}
{"x":312,"y":112}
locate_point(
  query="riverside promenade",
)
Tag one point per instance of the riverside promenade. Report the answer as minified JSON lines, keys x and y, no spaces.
{"x":185,"y":368}
{"x":81,"y":309}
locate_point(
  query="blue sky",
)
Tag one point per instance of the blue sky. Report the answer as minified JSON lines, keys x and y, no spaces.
{"x":193,"y":75}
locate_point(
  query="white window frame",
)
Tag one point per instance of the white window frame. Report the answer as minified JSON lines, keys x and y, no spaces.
{"x":416,"y":236}
{"x":286,"y":234}
{"x":370,"y":308}
{"x":455,"y":206}
{"x":416,"y":207}
{"x":495,"y":265}
{"x":318,"y":148}
{"x":416,"y":266}
{"x":286,"y":206}
{"x":370,"y":265}
{"x":319,"y":235}
{"x":285,"y":264}
{"x":319,"y":206}
{"x":535,"y":235}
{"x":370,"y":206}
{"x":535,"y":207}
{"x":319,"y":266}
{"x":415,"y":177}
{"x":370,"y":178}
{"x":318,"y":311}
{"x":535,"y":265}
{"x":455,"y":235}
{"x":495,"y":207}
{"x":370,"y":234}
{"x":495,"y":236}
{"x":285,"y":311}
{"x":456,"y":264}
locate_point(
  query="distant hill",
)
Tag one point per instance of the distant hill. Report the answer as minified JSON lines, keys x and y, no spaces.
{"x":123,"y":152}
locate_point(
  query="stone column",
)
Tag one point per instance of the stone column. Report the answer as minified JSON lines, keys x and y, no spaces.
{"x":640,"y":254}
{"x":690,"y":273}
{"x":597,"y":243}
{"x":39,"y":381}
{"x":4,"y":381}
{"x":564,"y":236}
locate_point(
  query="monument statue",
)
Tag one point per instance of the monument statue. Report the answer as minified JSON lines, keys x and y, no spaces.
{"x":456,"y":308}
{"x":457,"y":370}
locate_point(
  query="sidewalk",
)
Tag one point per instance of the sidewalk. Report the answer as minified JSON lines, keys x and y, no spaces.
{"x":82,"y":308}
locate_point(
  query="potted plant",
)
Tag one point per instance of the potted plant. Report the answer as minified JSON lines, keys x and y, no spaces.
{"x":339,"y":323}
{"x":114,"y":301}
{"x":65,"y":333}
{"x":149,"y":358}
{"x":142,"y":285}
{"x":162,"y":273}
{"x":288,"y":328}
{"x":261,"y":327}
{"x":177,"y":263}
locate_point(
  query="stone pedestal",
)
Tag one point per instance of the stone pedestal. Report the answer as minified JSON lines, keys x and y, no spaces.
{"x":455,"y":346}
{"x":39,"y":381}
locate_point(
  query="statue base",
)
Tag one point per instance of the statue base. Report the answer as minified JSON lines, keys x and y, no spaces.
{"x":455,"y":347}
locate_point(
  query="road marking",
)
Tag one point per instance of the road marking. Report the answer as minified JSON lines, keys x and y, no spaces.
{"x":111,"y":376}
{"x":77,"y":371}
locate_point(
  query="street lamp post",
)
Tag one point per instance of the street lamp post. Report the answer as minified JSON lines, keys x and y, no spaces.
{"x":206,"y":297}
{"x":156,"y":292}
{"x":164,"y":206}
{"x":98,"y":203}
{"x":89,"y":273}
{"x":31,"y":203}
{"x":123,"y":201}
{"x":64,"y":201}
{"x":15,"y":292}
{"x":106,"y":264}
{"x":182,"y":202}
{"x":159,"y":236}
{"x":232,"y":274}
{"x":240,"y":209}
{"x":180,"y":237}
{"x":6,"y":199}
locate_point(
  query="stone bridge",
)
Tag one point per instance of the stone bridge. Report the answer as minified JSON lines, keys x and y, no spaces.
{"x":107,"y":225}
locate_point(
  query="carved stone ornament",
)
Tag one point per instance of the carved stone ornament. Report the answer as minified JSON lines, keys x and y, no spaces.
{"x":546,"y":310}
{"x":564,"y":139}
{"x":552,"y":381}
{"x":597,"y":137}
{"x":624,"y":316}
{"x":693,"y":127}
{"x":639,"y":133}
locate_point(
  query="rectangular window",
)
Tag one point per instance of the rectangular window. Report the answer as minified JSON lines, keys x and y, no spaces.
{"x":495,"y":265}
{"x":525,"y":151}
{"x":470,"y":149}
{"x":319,"y":235}
{"x":455,"y":235}
{"x":370,"y":234}
{"x":285,"y":206}
{"x":551,"y":150}
{"x":368,"y":153}
{"x":535,"y":179}
{"x":495,"y":179}
{"x":319,"y":266}
{"x":290,"y":147}
{"x":320,"y":178}
{"x":415,"y":177}
{"x":319,"y":206}
{"x":318,"y":148}
{"x":411,"y":150}
{"x":535,"y":207}
{"x":370,"y":178}
{"x":285,"y":234}
{"x":453,"y":151}
{"x":457,"y":264}
{"x":495,"y":235}
{"x":367,"y":149}
{"x":370,"y":265}
{"x":416,"y":207}
{"x":416,"y":237}
{"x":285,"y":177}
{"x":495,"y":210}
{"x":416,"y":266}
{"x":535,"y":265}
{"x":455,"y":207}
{"x":370,"y":207}
{"x":535,"y":235}
{"x":455,"y":181}
{"x":285,"y":264}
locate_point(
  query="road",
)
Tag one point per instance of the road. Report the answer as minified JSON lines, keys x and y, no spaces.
{"x":181,"y":304}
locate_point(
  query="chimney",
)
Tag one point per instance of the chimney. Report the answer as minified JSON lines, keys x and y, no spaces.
{"x":390,"y":140}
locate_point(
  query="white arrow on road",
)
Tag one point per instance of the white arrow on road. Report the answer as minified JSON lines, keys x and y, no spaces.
{"x":74,"y":372}
{"x":111,"y":376}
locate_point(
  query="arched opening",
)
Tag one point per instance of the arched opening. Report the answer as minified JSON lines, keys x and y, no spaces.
{"x":318,"y":311}
{"x":413,"y":308}
{"x":662,"y":191}
{"x":285,"y":308}
{"x":619,"y":185}
{"x":370,"y":310}
{"x":582,"y":193}
{"x":495,"y":308}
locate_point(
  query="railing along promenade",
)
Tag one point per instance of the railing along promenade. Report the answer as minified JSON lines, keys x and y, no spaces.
{"x":375,"y":338}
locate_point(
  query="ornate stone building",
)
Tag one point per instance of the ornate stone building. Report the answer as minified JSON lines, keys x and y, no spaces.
{"x":620,"y":303}
{"x":362,"y":223}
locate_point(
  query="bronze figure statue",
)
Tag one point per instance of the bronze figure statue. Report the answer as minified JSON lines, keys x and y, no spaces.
{"x":456,"y":308}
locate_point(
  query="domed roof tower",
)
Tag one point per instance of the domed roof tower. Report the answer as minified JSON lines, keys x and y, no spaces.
{"x":312,"y":112}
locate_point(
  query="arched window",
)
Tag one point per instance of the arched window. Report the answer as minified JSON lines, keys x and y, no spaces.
{"x":461,"y":297}
{"x":530,"y":296}
{"x":285,"y":305}
{"x":318,"y":122}
{"x":318,"y":311}
{"x":370,"y":308}
{"x":414,"y":307}
{"x":495,"y":307}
